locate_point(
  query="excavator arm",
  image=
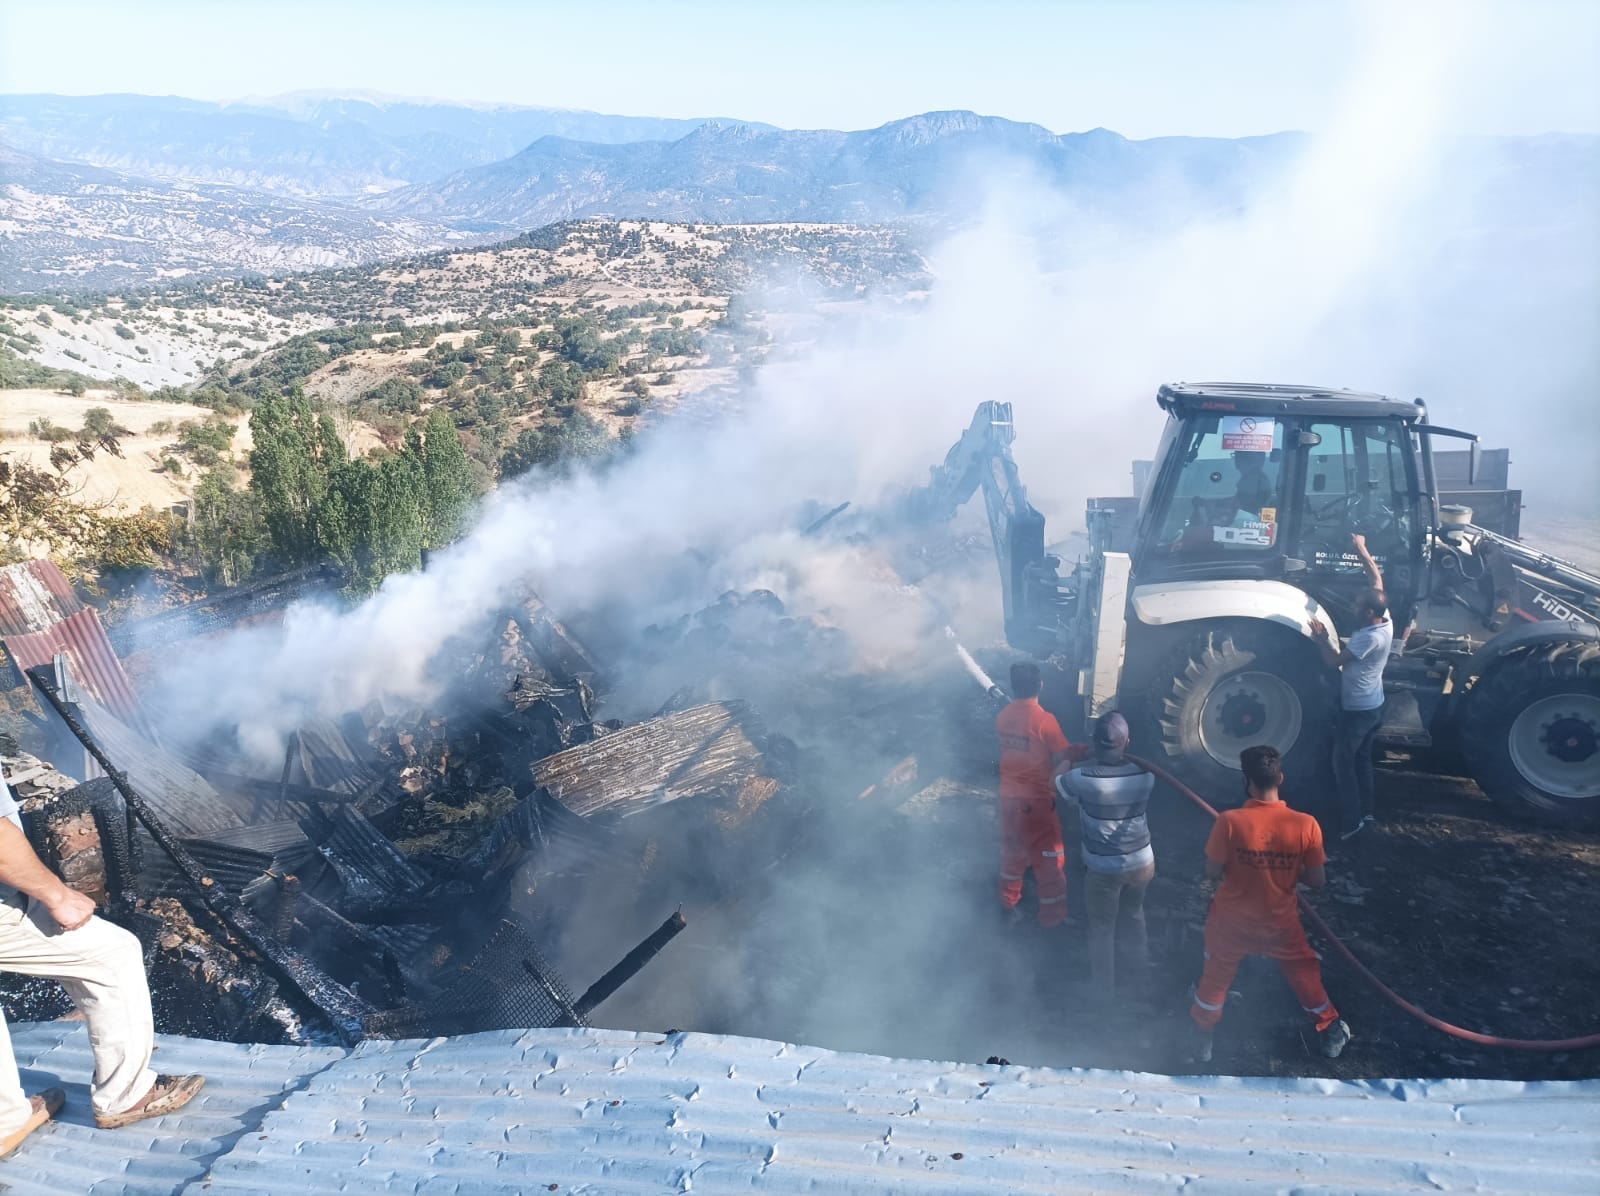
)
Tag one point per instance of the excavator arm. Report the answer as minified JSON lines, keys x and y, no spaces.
{"x":1031,"y":590}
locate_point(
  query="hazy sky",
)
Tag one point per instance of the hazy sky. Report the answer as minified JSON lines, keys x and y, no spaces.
{"x":1142,"y":67}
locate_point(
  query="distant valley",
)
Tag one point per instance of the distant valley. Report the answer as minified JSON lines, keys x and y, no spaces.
{"x":101,"y":193}
{"x":71,"y":227}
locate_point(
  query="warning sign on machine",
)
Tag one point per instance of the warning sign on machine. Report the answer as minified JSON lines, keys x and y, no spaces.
{"x":1247,"y":434}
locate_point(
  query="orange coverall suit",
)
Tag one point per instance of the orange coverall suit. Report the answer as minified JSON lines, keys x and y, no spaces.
{"x":1262,"y":846}
{"x":1030,"y":832}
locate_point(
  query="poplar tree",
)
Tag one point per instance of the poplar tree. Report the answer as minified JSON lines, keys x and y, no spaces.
{"x":446,"y":490}
{"x":295,"y":452}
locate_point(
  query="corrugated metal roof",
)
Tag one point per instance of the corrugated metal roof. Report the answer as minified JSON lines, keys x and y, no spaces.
{"x":165,"y":1155}
{"x":224,"y":609}
{"x":94,"y":664}
{"x":33,"y":596}
{"x":329,"y":759}
{"x":604,"y":1111}
{"x":183,"y":799}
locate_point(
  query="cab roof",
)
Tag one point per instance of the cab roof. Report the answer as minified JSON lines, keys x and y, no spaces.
{"x":1261,"y":398}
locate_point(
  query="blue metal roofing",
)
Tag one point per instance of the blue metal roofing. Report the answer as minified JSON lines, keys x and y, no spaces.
{"x":603,"y":1111}
{"x":165,"y":1155}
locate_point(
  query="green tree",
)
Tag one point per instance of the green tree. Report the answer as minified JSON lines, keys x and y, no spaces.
{"x":296,"y":450}
{"x":533,"y":448}
{"x":98,"y":421}
{"x":372,"y":520}
{"x":580,"y":439}
{"x":227,"y":533}
{"x":396,"y":394}
{"x":446,"y":489}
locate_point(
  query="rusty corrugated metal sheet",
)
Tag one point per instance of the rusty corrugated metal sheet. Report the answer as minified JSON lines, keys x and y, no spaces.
{"x":94,"y":664}
{"x":33,"y":596}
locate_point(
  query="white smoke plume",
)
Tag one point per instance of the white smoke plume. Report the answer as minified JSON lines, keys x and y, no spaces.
{"x":1390,"y":258}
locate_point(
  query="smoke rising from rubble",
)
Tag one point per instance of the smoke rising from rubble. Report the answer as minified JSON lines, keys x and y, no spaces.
{"x":1369,"y":266}
{"x":1383,"y":261}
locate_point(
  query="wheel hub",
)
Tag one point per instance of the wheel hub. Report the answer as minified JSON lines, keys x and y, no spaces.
{"x":1570,"y":739}
{"x":1246,"y":709}
{"x":1243,"y":714}
{"x":1554,"y":743}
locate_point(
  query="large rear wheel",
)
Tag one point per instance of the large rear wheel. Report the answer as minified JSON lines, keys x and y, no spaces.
{"x":1531,"y":733}
{"x":1233,"y":686}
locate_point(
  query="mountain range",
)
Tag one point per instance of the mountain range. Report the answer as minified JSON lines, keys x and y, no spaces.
{"x":101,"y":191}
{"x":308,"y":144}
{"x":935,"y":163}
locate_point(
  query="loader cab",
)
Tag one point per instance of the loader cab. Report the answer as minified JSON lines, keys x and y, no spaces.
{"x":1268,"y":482}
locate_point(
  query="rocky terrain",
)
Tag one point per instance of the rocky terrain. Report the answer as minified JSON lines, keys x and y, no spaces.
{"x":613,"y":321}
{"x":66,"y":227}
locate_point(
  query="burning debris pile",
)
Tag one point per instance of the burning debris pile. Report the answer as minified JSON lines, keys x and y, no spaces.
{"x":372,"y":886}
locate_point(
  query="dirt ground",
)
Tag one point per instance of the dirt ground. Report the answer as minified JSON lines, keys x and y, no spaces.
{"x":872,"y":925}
{"x":122,"y":485}
{"x":127,"y":484}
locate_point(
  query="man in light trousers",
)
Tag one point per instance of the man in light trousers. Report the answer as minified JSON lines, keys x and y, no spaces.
{"x":48,"y":929}
{"x":1112,"y":795}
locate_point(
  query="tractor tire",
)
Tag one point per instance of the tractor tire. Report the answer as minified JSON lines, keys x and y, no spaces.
{"x":1531,"y":733}
{"x":1232,"y":686}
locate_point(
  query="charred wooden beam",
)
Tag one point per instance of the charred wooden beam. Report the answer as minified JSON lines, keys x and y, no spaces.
{"x":557,"y":647}
{"x":284,"y":911}
{"x":711,"y":749}
{"x":270,"y":791}
{"x":342,"y":1008}
{"x":822,"y":521}
{"x":630,"y":965}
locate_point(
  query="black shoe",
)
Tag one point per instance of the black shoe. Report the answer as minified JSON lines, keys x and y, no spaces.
{"x":1332,"y":1041}
{"x":1199,"y":1044}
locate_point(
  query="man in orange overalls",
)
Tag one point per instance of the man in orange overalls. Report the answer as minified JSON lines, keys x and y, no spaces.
{"x":1261,"y":851}
{"x":1032,"y":751}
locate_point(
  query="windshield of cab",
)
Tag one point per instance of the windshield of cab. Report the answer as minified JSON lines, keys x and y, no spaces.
{"x":1225,"y":501}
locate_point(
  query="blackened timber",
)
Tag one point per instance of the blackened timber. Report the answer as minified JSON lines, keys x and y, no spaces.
{"x":375,"y":874}
{"x":711,"y":749}
{"x":629,"y":966}
{"x":556,"y":646}
{"x":341,"y":1007}
{"x":816,"y":525}
{"x":280,"y":790}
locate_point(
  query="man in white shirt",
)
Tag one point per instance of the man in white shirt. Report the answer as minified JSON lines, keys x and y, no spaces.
{"x":1360,"y":663}
{"x":49,"y":929}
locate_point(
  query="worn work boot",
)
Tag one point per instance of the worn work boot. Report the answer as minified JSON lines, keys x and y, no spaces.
{"x":167,"y":1095}
{"x":1199,"y":1044}
{"x":44,"y":1106}
{"x":1332,"y":1041}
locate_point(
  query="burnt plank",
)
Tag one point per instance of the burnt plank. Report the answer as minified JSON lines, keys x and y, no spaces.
{"x":715,"y":748}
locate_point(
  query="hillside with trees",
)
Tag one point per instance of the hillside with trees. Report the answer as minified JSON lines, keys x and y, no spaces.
{"x":350,"y":417}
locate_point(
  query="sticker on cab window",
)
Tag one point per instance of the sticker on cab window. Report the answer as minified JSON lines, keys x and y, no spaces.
{"x":1250,"y":534}
{"x":1247,"y":434}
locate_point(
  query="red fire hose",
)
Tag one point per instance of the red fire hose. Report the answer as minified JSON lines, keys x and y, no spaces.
{"x":1516,"y":1044}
